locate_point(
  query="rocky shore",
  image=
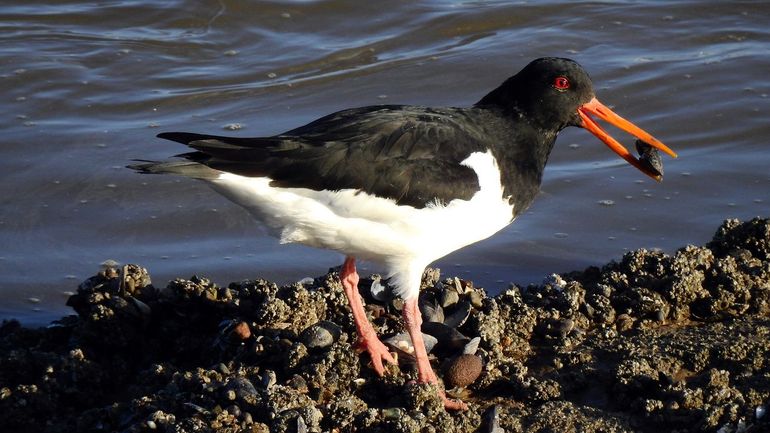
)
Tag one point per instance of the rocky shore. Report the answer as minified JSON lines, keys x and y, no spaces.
{"x":651,"y":342}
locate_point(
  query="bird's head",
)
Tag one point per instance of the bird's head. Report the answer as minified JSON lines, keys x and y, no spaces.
{"x":553,"y":93}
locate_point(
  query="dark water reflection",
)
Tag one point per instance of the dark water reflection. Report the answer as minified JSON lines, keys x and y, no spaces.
{"x":86,"y":86}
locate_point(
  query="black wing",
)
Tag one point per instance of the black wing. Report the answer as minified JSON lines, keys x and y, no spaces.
{"x":409,"y":154}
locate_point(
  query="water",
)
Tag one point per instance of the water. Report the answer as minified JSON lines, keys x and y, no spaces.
{"x":86,"y":86}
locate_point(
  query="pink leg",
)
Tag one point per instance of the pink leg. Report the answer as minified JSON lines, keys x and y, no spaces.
{"x":367,"y":338}
{"x":425,"y":374}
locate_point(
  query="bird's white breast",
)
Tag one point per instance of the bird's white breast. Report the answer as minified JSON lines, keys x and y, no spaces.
{"x":404,"y":238}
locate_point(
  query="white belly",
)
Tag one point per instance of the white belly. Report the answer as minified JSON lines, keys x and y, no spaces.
{"x":372,"y":228}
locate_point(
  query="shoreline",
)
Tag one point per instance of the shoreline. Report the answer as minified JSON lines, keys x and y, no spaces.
{"x":652,"y":341}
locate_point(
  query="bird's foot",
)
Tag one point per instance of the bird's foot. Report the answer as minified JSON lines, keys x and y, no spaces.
{"x":426,"y":375}
{"x":377,"y":352}
{"x":450,"y":403}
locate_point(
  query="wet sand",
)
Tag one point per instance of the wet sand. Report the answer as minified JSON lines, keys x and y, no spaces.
{"x":650,"y":342}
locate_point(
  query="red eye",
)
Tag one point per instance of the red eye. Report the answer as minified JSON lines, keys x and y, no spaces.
{"x":561,"y":83}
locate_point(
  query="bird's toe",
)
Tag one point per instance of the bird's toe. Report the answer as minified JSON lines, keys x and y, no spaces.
{"x":377,"y":352}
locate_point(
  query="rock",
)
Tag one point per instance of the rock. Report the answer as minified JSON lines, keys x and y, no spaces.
{"x":242,"y":388}
{"x":320,"y":335}
{"x":492,"y":421}
{"x":463,"y":370}
{"x":241,"y":331}
{"x":624,"y":322}
{"x":652,"y":341}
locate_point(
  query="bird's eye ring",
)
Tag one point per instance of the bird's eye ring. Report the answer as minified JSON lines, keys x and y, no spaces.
{"x":561,"y":83}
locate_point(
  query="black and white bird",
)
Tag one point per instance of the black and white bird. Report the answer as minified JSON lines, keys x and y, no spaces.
{"x":404,"y":185}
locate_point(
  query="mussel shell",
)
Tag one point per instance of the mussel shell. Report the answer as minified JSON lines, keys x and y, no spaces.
{"x":448,"y":297}
{"x":460,"y":314}
{"x":650,"y":157}
{"x":378,"y":290}
{"x":449,"y":340}
{"x":403,"y":343}
{"x":430,"y":310}
{"x":472,"y":346}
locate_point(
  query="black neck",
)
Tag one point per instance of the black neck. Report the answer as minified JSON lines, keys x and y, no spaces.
{"x":521,"y":150}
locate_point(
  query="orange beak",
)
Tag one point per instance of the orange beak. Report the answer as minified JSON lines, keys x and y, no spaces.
{"x":601,"y":111}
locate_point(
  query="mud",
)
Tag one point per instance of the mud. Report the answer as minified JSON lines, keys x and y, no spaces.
{"x":652,"y":342}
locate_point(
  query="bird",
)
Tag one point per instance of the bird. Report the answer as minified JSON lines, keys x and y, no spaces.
{"x":404,"y":185}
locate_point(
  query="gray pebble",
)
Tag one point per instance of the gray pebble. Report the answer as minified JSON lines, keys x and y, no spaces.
{"x":321,"y":335}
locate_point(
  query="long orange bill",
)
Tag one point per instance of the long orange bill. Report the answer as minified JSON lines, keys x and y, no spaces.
{"x":603,"y":112}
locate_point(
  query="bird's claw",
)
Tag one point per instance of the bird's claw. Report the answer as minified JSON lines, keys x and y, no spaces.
{"x":377,"y":352}
{"x":449,"y":403}
{"x":452,"y":404}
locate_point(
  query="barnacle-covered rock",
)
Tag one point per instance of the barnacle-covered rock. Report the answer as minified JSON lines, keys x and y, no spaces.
{"x":651,"y":341}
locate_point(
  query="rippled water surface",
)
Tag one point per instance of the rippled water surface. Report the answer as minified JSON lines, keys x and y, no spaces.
{"x":87,"y":85}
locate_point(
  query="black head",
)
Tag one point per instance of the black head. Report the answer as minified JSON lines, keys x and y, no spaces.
{"x":552,"y":93}
{"x":547,"y":92}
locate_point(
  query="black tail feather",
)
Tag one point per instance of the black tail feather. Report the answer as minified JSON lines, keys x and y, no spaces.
{"x":183,"y":168}
{"x":186,"y":137}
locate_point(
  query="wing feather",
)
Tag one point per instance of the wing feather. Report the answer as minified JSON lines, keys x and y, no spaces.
{"x":412,"y":155}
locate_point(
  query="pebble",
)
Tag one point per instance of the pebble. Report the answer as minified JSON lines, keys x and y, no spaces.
{"x":299,"y":383}
{"x":624,"y":322}
{"x":199,"y":409}
{"x":234,"y":410}
{"x":492,"y":421}
{"x":301,"y":425}
{"x":392,"y":413}
{"x":565,"y":326}
{"x":321,"y":335}
{"x":242,"y":331}
{"x":269,"y":379}
{"x":463,"y":370}
{"x":247,"y":419}
{"x":242,"y":387}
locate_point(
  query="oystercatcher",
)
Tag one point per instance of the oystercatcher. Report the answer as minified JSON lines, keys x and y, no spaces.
{"x":404,"y":185}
